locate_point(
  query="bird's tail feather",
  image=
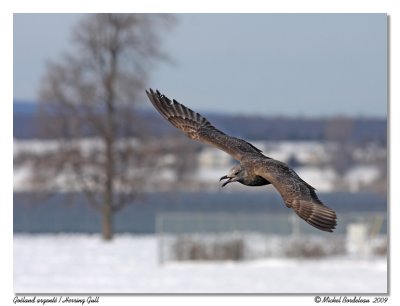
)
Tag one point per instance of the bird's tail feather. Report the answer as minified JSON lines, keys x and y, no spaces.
{"x":317,"y":215}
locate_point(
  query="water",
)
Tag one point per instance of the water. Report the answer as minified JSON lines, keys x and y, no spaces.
{"x":62,"y":213}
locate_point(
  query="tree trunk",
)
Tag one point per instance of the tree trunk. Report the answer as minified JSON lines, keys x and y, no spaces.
{"x":107,"y":222}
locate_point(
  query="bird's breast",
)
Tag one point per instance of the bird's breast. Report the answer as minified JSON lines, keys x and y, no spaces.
{"x":255,"y":181}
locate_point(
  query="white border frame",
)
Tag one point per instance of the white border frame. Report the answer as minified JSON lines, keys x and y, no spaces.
{"x":7,"y":8}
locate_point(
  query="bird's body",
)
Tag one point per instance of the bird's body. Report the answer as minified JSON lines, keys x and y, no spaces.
{"x":255,"y":169}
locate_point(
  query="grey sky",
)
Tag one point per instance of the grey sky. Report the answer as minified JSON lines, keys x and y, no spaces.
{"x":267,"y":64}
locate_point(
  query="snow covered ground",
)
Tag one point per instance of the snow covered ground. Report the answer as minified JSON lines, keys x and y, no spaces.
{"x":129,"y":264}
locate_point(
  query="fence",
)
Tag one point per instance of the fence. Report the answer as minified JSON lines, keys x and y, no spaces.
{"x":244,"y":236}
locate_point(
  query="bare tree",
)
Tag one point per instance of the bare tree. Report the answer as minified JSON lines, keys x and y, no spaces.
{"x":93,"y":92}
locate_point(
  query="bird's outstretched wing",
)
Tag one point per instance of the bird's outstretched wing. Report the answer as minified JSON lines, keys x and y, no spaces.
{"x":199,"y":128}
{"x":297,"y":194}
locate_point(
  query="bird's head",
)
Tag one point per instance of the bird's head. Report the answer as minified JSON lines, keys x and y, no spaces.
{"x":235,"y":174}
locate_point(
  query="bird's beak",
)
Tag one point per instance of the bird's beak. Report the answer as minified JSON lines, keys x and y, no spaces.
{"x":230,"y":180}
{"x":223,"y":178}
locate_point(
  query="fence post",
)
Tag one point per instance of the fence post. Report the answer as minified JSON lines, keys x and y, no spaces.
{"x":159,"y":231}
{"x":295,"y":226}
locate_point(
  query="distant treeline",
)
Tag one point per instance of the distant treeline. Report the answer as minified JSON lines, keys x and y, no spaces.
{"x":290,"y":128}
{"x":359,"y":129}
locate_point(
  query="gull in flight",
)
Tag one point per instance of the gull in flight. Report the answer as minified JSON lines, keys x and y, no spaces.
{"x":254,"y":168}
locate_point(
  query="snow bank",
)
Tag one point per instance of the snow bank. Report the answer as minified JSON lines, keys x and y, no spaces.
{"x":129,"y":264}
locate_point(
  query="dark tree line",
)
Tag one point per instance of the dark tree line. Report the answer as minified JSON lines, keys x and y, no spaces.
{"x":364,"y":130}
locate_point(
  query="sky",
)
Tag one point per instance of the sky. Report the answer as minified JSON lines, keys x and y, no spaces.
{"x":305,"y":65}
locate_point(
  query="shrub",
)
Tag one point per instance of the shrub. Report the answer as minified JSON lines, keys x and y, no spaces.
{"x":193,"y":248}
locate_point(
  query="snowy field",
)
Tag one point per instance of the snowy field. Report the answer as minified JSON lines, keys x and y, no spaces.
{"x":129,"y":264}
